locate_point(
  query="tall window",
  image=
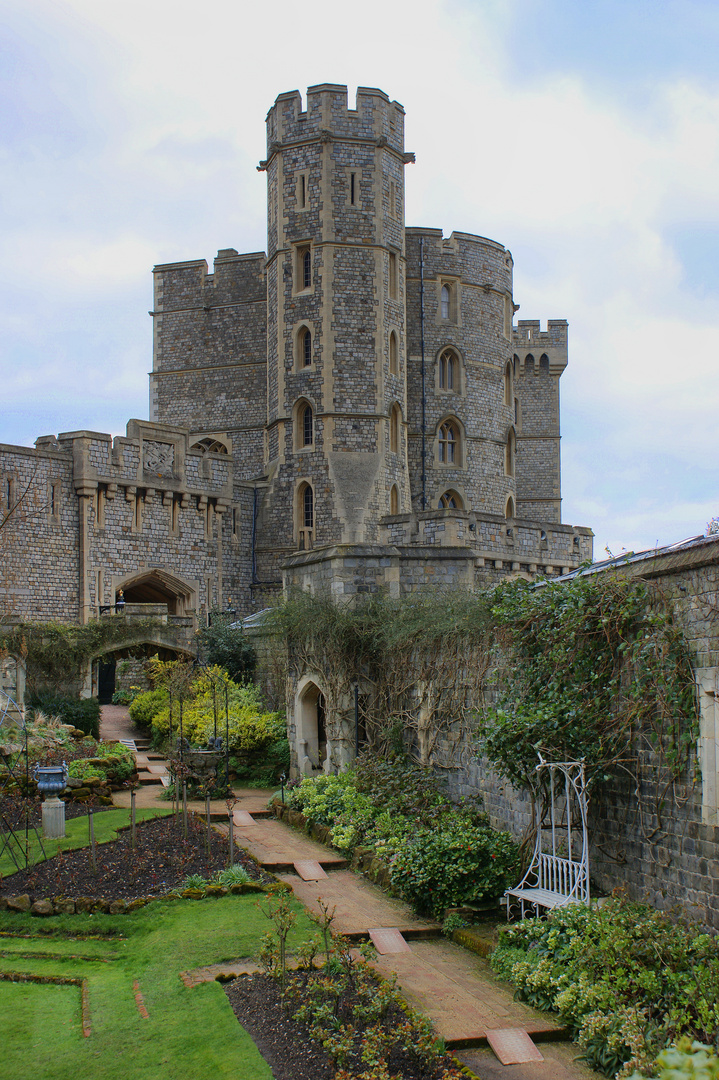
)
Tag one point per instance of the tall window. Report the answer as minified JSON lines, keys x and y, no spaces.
{"x":508,"y":396}
{"x":509,"y":509}
{"x":303,"y":268}
{"x":306,"y":348}
{"x":353,"y":189}
{"x":307,"y":426}
{"x":449,"y":443}
{"x":305,"y":517}
{"x":303,"y":192}
{"x":448,"y":371}
{"x":446,"y":302}
{"x":394,"y":420}
{"x":392,"y":276}
{"x":394,"y":500}
{"x":393,"y":361}
{"x":509,"y":453}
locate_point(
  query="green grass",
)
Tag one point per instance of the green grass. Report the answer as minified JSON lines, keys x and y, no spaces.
{"x":105,"y":826}
{"x":189,"y":1033}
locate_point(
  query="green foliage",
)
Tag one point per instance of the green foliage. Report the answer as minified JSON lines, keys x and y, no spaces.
{"x":56,"y":653}
{"x":688,"y":1060}
{"x":453,"y":922}
{"x":232,"y":875}
{"x":212,"y":702}
{"x":438,"y":855}
{"x":82,"y":713}
{"x":145,"y":707}
{"x":626,"y":980}
{"x":591,"y":663}
{"x":226,"y":646}
{"x":361,"y":1020}
{"x":454,"y":864}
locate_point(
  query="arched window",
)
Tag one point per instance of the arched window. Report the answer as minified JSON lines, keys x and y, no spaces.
{"x":509,"y":453}
{"x":508,"y":395}
{"x":509,"y":509}
{"x":393,"y":362}
{"x":394,"y":424}
{"x":303,"y":424}
{"x":449,"y":443}
{"x":446,"y":301}
{"x":529,"y":364}
{"x":306,"y":348}
{"x":544,"y":363}
{"x":394,"y":500}
{"x":307,"y":425}
{"x":451,"y":501}
{"x":210,"y":446}
{"x":305,"y":517}
{"x":448,"y":370}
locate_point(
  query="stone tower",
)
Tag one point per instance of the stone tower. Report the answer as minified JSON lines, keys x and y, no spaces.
{"x":336,"y":441}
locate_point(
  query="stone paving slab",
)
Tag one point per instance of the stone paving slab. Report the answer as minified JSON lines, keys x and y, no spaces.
{"x":460,"y":993}
{"x":359,"y":905}
{"x":277,"y":846}
{"x":242,"y":818}
{"x":560,"y":1063}
{"x":387,"y":940}
{"x":513,"y":1046}
{"x":309,"y":870}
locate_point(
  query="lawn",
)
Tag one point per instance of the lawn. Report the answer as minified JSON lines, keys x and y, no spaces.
{"x":190,"y":1032}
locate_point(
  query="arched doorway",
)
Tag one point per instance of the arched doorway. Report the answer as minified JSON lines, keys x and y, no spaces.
{"x":311,"y":729}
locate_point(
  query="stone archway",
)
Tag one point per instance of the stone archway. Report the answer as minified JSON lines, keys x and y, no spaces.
{"x":159,"y":587}
{"x":311,"y":733}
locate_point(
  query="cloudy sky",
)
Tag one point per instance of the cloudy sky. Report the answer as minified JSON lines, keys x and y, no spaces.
{"x":582,"y":134}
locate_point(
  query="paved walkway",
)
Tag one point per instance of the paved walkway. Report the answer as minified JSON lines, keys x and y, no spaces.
{"x":454,"y":987}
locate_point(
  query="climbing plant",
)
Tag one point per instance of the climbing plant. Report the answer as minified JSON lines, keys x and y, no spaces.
{"x":588,"y":669}
{"x":55,"y":653}
{"x":420,"y":659}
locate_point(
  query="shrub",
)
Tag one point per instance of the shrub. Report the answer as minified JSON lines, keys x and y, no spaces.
{"x":453,"y":865}
{"x":625,"y":978}
{"x":439,"y":855}
{"x":146,"y":706}
{"x":82,"y":713}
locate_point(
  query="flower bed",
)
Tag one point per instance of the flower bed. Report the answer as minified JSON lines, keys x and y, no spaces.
{"x":623,"y":977}
{"x":393,"y":817}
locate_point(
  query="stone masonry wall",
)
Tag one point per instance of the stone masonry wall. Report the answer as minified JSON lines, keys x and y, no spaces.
{"x":660,"y":844}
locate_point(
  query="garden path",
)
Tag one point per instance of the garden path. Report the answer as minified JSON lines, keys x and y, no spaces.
{"x":454,"y":987}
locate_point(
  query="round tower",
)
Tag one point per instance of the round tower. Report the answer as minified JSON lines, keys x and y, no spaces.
{"x":336,"y":446}
{"x":462,"y":438}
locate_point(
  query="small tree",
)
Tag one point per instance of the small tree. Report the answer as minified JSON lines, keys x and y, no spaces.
{"x":223,"y":643}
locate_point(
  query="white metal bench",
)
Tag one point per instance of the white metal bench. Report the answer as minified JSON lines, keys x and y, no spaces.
{"x":553,"y":879}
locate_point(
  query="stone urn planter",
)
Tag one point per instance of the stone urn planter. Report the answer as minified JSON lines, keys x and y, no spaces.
{"x":52,"y":779}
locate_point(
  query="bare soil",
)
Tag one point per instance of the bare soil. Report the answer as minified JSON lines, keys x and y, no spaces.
{"x":162,"y":859}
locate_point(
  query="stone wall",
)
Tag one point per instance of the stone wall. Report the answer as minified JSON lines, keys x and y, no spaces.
{"x":660,"y":843}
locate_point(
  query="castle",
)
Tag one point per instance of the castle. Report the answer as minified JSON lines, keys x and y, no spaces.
{"x":354,"y":409}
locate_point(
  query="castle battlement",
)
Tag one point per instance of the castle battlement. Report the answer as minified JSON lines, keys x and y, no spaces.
{"x":328,"y":116}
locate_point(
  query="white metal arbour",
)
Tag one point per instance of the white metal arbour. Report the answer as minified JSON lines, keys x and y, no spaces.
{"x":561,"y":875}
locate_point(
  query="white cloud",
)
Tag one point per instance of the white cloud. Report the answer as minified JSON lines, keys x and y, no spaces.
{"x":156,"y":127}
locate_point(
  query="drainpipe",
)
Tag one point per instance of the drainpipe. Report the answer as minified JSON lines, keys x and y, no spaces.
{"x":424,"y":393}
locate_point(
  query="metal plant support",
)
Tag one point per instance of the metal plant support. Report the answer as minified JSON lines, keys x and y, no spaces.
{"x":559,"y":871}
{"x":15,"y":776}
